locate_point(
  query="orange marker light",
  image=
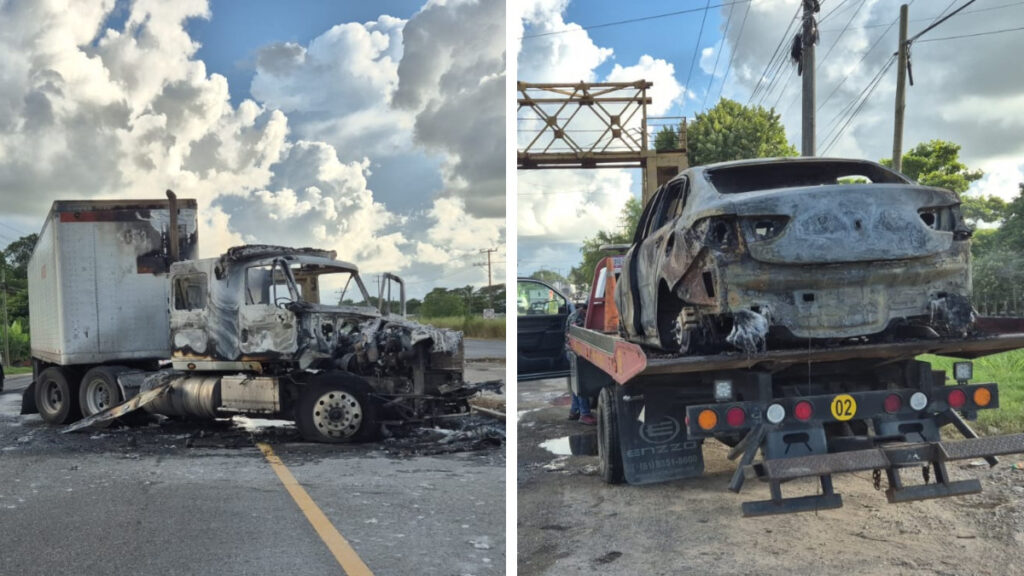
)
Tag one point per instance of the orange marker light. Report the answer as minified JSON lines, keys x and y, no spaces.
{"x":707,"y":419}
{"x":982,"y":396}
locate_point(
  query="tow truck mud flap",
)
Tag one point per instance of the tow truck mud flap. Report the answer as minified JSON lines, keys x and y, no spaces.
{"x":653,"y":439}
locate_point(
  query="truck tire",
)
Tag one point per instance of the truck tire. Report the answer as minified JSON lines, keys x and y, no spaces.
{"x":336,"y":408}
{"x":57,"y":396}
{"x":609,"y":451}
{"x":99,"y":389}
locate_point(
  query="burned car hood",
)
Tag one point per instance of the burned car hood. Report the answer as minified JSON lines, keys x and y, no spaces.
{"x":839,"y":223}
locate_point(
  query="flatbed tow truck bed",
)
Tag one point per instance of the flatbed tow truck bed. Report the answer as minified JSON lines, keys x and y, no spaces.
{"x":864,"y":406}
{"x":625,"y":360}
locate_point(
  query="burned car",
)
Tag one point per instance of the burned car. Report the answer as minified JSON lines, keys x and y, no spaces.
{"x":737,"y":254}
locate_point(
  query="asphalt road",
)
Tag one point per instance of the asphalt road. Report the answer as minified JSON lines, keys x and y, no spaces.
{"x":477,"y":349}
{"x":200,"y":498}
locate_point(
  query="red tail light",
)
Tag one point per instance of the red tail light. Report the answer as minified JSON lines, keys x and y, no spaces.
{"x":803,"y":411}
{"x":735,"y":417}
{"x":893,"y":403}
{"x":956,"y":398}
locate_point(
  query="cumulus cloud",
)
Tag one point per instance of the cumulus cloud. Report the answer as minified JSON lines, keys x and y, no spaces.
{"x":962,"y":91}
{"x":92,"y":111}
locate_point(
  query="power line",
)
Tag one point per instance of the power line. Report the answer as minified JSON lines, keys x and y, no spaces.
{"x":933,"y":18}
{"x":785,"y":36}
{"x":632,"y":20}
{"x":732,"y":55}
{"x":869,"y":90}
{"x":834,"y":11}
{"x":718,"y":56}
{"x":696,"y":49}
{"x":972,"y":35}
{"x":862,"y":58}
{"x":936,"y":23}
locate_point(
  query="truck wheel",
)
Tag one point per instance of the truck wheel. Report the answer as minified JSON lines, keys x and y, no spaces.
{"x":336,"y":408}
{"x":99,"y":389}
{"x":57,"y":397}
{"x":609,"y":450}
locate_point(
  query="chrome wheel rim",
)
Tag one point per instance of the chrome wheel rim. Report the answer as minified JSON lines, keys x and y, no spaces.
{"x":337,"y":414}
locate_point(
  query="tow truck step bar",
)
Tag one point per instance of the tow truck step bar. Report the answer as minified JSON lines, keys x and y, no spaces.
{"x":891,"y":458}
{"x":884,"y":457}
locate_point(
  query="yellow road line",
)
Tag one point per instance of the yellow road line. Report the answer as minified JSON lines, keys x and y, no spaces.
{"x":350,"y":562}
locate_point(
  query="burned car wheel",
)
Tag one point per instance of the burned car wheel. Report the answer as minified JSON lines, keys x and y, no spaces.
{"x":608,"y":449}
{"x":57,"y":397}
{"x":337,"y":409}
{"x":99,"y":390}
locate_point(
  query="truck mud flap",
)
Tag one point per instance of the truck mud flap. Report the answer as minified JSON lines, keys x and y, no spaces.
{"x":121,"y":409}
{"x":890,"y":458}
{"x":652,"y":436}
{"x":28,"y":400}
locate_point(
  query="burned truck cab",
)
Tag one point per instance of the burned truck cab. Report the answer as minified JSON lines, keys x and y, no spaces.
{"x":298,"y":317}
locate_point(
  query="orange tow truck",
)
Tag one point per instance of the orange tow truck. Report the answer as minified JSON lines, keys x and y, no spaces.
{"x":808,"y":412}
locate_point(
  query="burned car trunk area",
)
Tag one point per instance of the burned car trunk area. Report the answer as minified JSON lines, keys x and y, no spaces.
{"x":737,"y":255}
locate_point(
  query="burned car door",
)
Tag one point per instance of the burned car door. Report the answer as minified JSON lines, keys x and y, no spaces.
{"x":266,"y":327}
{"x":541,"y":314}
{"x":654,"y":244}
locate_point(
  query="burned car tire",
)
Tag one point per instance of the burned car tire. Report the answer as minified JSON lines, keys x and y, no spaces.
{"x":337,"y":408}
{"x":99,"y":389}
{"x":609,"y":450}
{"x":57,"y":397}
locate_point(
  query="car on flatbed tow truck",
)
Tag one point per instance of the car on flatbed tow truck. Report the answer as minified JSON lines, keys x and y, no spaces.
{"x":827,"y":407}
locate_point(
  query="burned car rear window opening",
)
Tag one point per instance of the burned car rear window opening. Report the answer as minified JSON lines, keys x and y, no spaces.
{"x":755,"y":177}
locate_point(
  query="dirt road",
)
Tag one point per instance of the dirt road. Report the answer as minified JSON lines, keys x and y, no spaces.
{"x":570,"y":522}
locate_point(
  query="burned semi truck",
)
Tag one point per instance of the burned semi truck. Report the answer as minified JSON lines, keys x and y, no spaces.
{"x":123,"y":316}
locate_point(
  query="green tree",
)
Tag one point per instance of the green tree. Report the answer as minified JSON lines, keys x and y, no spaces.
{"x":582,"y":275}
{"x":18,"y":253}
{"x":937,"y":163}
{"x":412,"y":306}
{"x":666,"y":139}
{"x":439,"y":303}
{"x":990,"y":209}
{"x":732,"y":131}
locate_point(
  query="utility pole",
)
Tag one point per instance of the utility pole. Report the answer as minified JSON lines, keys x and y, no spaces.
{"x":488,"y":251}
{"x":901,"y":91}
{"x":808,"y":37}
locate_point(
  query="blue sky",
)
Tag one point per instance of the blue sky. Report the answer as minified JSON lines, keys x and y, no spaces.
{"x":371,"y":128}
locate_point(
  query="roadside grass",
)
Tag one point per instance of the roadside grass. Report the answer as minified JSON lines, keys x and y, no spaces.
{"x":472,"y":327}
{"x":14,"y":370}
{"x":1007,"y":370}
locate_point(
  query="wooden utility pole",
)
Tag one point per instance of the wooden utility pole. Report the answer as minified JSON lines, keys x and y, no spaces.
{"x":808,"y":38}
{"x":488,"y":251}
{"x":901,"y":91}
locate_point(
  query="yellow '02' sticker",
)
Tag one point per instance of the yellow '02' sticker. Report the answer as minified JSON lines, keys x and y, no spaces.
{"x":843,"y":407}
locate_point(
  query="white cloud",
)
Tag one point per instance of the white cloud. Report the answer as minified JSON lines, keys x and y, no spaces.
{"x":665,"y":91}
{"x":88,"y":112}
{"x":707,"y":60}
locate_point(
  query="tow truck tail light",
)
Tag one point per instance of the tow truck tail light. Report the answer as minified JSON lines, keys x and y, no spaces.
{"x":956,"y":398}
{"x":707,"y":419}
{"x":735,"y":417}
{"x":803,"y":411}
{"x":982,"y":397}
{"x":775,"y":413}
{"x":918,"y":401}
{"x":893,"y":403}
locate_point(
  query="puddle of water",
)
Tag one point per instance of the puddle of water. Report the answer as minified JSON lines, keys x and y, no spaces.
{"x":574,"y":445}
